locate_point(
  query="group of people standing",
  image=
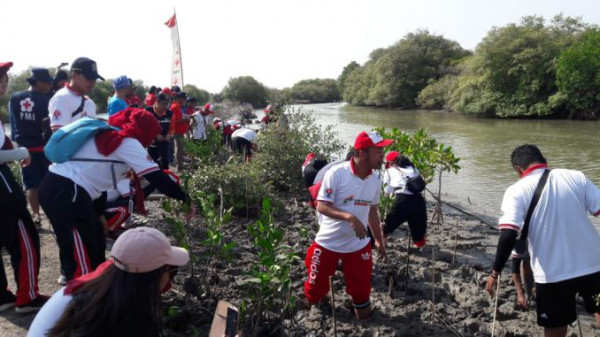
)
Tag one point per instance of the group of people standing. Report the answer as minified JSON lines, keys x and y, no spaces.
{"x":73,"y":194}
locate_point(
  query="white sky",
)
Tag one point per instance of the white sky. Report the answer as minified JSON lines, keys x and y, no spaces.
{"x":278,"y":42}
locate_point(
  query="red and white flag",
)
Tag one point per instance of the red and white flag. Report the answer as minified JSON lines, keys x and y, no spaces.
{"x":176,"y":67}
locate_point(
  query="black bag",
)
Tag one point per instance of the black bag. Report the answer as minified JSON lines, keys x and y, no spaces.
{"x":416,"y":185}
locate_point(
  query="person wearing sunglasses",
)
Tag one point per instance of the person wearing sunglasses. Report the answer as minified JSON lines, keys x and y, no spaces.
{"x":121,"y":297}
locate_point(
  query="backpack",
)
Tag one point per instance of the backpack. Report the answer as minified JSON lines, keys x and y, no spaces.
{"x":66,"y":141}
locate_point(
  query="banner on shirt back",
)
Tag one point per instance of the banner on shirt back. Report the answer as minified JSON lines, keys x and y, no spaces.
{"x":176,"y":67}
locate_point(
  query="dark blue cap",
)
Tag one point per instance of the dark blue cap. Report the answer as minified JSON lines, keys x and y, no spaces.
{"x":40,"y":74}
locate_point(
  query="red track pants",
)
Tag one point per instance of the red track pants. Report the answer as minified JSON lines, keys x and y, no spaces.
{"x":322,"y":263}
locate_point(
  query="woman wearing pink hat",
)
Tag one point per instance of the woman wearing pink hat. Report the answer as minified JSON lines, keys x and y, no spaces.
{"x":120,"y":298}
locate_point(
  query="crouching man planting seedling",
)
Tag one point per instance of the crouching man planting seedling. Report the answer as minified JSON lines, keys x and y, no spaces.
{"x":347,"y":202}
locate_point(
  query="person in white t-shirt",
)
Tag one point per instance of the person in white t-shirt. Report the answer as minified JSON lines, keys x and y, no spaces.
{"x":242,"y":140}
{"x":70,"y":103}
{"x":563,"y":244}
{"x":121,"y":297}
{"x":73,"y":193}
{"x":408,"y":206}
{"x":347,"y":204}
{"x":199,"y":126}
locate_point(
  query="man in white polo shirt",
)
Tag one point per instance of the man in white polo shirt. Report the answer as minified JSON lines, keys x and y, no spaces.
{"x":70,"y":103}
{"x":347,"y":203}
{"x":563,"y":244}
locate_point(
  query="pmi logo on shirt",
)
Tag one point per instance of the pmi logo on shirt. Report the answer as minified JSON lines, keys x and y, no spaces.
{"x":348,"y":199}
{"x":359,"y":202}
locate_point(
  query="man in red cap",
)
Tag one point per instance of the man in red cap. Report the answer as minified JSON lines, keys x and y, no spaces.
{"x":347,"y":203}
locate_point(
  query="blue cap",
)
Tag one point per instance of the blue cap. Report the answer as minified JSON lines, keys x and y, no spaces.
{"x":121,"y":82}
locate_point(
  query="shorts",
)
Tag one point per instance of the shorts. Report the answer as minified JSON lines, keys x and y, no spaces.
{"x":36,"y":171}
{"x":556,"y":301}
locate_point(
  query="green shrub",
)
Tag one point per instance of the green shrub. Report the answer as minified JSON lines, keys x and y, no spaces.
{"x":281,"y":151}
{"x":423,"y":150}
{"x":243,"y":189}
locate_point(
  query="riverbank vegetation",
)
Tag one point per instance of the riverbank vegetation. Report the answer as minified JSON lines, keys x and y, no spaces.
{"x":532,"y":68}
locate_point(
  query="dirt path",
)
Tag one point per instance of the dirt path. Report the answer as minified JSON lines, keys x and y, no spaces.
{"x":462,"y":308}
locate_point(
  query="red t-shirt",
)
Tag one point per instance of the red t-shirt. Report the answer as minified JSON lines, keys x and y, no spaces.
{"x":180,"y":126}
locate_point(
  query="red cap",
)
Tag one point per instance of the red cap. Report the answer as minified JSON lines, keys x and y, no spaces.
{"x":167,"y":91}
{"x":208,"y":107}
{"x":4,"y":67}
{"x":391,"y":156}
{"x":310,"y":156}
{"x":366,"y":140}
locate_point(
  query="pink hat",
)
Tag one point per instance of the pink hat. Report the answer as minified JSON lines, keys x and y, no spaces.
{"x":144,"y":249}
{"x":366,"y":140}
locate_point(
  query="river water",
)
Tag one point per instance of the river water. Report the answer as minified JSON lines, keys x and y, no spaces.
{"x":483,"y":145}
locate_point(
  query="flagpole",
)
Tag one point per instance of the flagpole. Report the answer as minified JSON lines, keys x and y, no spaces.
{"x":180,"y":53}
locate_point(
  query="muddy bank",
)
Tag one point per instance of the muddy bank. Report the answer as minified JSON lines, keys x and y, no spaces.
{"x":442,"y":294}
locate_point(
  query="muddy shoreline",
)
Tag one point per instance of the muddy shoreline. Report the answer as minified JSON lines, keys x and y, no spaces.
{"x":403,"y":305}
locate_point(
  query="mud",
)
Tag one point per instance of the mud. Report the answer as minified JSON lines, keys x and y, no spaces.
{"x":432,"y":297}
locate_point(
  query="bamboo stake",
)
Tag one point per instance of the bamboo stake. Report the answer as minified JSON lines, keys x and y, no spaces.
{"x":496,"y":305}
{"x":579,"y":325}
{"x":407,"y":264}
{"x":333,"y":305}
{"x":455,"y":244}
{"x":432,"y":283}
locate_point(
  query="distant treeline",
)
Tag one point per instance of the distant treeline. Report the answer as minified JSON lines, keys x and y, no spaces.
{"x":530,"y":69}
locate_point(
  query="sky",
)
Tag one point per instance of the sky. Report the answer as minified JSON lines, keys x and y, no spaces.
{"x":278,"y":42}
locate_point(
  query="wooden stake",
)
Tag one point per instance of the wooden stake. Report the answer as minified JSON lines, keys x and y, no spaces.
{"x":455,"y":244}
{"x":495,"y":305}
{"x":432,"y":283}
{"x":333,"y":305}
{"x":407,"y":264}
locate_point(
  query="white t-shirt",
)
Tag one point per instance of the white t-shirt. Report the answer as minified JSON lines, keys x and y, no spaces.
{"x":395,"y":178}
{"x":562,"y":241}
{"x":49,"y":314}
{"x":121,"y":191}
{"x":199,"y":126}
{"x":96,"y":177}
{"x":64,"y":103}
{"x":348,"y":193}
{"x":247,"y":134}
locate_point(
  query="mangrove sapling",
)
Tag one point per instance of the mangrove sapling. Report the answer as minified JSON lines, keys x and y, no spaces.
{"x":181,"y":233}
{"x":427,"y":154}
{"x":268,"y":280}
{"x":217,"y":248}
